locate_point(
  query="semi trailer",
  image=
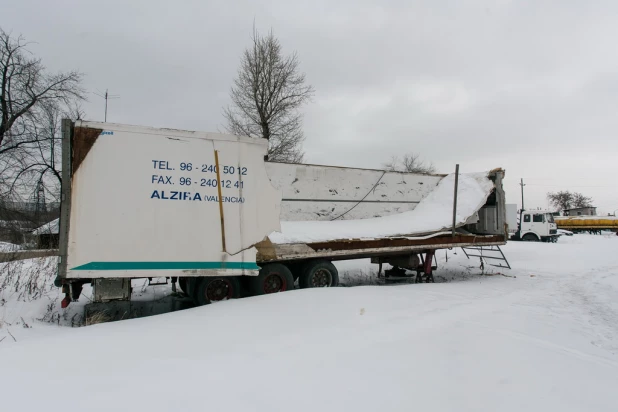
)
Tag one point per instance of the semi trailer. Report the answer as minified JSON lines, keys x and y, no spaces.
{"x":205,"y":209}
{"x":590,"y":224}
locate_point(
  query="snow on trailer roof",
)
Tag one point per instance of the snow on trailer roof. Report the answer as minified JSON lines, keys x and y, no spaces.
{"x":432,"y":215}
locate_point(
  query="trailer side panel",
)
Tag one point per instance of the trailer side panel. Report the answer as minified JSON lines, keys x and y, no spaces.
{"x":150,"y":202}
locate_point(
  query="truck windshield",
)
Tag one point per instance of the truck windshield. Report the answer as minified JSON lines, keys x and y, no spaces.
{"x":550,"y":218}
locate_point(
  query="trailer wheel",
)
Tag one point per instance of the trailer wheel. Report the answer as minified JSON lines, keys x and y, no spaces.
{"x":215,"y":289}
{"x":272,"y":278}
{"x":182,"y":284}
{"x":530,"y":237}
{"x":319,"y":274}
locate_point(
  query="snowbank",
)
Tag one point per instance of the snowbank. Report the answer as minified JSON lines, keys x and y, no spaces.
{"x":545,"y":338}
{"x":434,"y":213}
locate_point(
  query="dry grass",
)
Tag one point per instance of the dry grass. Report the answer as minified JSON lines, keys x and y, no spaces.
{"x":29,"y":279}
{"x":29,"y":284}
{"x":96,"y":318}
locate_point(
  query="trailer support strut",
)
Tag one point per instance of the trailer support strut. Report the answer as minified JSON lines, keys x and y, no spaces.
{"x":427,"y":268}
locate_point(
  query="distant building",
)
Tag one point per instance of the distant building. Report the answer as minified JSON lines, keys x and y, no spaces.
{"x":581,"y":211}
{"x":47,"y":236}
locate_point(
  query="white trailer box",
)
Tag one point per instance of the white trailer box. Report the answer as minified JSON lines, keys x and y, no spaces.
{"x":158,"y":199}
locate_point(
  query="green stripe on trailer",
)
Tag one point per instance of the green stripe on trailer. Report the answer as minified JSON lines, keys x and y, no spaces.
{"x":167,"y":265}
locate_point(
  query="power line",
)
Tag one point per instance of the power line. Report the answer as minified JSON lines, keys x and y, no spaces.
{"x":106,"y":96}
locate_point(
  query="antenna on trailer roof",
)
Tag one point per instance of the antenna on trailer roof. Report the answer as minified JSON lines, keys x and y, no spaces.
{"x":106,"y":96}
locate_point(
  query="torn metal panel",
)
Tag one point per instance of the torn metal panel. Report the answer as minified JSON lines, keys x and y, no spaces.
{"x":433,"y":214}
{"x":324,"y":193}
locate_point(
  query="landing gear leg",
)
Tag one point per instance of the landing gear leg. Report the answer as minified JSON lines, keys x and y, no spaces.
{"x":425,"y":272}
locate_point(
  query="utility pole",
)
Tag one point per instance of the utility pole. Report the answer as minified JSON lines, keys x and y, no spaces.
{"x":521,"y":212}
{"x":106,"y":96}
{"x":455,"y":198}
{"x":522,"y":193}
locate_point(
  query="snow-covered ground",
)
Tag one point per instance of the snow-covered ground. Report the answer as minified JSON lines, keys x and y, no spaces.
{"x":540,"y":337}
{"x":8,"y":247}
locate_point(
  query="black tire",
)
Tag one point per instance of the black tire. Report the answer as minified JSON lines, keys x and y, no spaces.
{"x":296,"y":268}
{"x":182,"y":284}
{"x":272,"y":278}
{"x":216,"y":288}
{"x":191,"y":287}
{"x":530,"y":237}
{"x":319,"y":273}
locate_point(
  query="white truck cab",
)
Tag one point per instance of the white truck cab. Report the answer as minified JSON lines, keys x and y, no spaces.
{"x":537,"y":225}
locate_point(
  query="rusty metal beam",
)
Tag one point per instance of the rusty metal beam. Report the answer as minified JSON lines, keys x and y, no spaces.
{"x":399,"y":242}
{"x":341,"y":250}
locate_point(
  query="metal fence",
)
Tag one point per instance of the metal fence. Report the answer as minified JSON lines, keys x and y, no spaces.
{"x":26,"y":207}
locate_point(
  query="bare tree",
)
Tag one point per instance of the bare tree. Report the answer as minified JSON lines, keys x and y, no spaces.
{"x":561,"y":200}
{"x":266,"y":97}
{"x":30,"y":178}
{"x":32,"y":102}
{"x":25,"y":86}
{"x":564,"y":200}
{"x":410,"y":163}
{"x":579,"y":200}
{"x":40,"y":160}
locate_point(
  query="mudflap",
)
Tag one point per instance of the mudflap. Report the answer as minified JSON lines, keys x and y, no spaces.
{"x":72,"y":291}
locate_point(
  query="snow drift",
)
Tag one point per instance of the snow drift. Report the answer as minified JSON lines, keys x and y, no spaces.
{"x":544,"y":337}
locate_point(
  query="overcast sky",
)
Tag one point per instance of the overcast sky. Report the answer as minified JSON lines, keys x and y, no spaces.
{"x":529,"y":86}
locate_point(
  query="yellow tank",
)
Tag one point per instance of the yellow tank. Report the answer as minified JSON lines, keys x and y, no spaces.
{"x":586,"y":222}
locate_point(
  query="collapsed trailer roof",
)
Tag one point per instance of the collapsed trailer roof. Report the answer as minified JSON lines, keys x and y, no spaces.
{"x":431,"y":216}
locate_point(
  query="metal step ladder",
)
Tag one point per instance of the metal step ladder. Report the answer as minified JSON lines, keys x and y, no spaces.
{"x":487,"y":253}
